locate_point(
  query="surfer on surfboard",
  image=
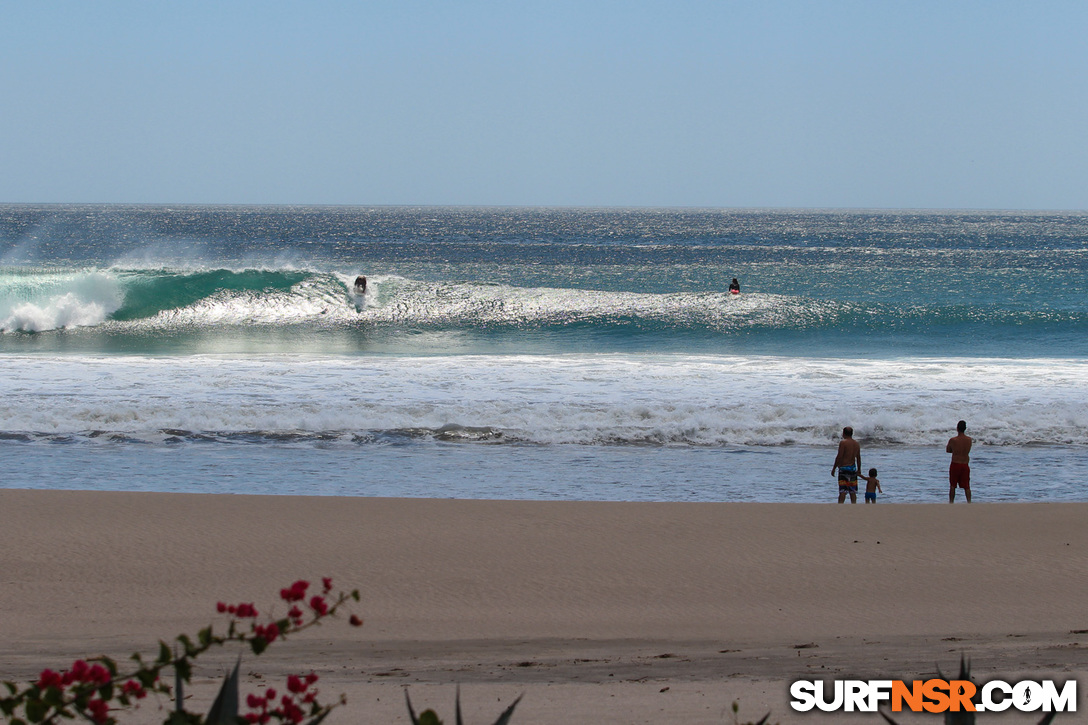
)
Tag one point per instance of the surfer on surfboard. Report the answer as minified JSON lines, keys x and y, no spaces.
{"x":734,"y":287}
{"x":360,"y":285}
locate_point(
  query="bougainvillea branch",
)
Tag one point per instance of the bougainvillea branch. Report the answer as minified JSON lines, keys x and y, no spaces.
{"x":96,"y":689}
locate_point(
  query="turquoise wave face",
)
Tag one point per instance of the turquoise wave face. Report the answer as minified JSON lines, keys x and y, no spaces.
{"x":148,"y":294}
{"x":222,"y":310}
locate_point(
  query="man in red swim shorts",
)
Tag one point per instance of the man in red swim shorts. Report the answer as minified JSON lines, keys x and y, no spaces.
{"x":959,"y":472}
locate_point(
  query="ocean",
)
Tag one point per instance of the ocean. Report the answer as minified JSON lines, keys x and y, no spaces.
{"x":572,"y":354}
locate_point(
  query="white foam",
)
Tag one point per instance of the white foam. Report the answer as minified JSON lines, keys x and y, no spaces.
{"x":35,"y":303}
{"x":668,"y":400}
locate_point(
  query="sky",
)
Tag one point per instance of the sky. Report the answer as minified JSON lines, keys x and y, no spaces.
{"x":768,"y":103}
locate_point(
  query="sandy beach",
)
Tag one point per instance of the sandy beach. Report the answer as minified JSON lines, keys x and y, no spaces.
{"x":595,"y":612}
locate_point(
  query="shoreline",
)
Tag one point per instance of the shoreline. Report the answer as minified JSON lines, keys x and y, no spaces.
{"x":580,"y":605}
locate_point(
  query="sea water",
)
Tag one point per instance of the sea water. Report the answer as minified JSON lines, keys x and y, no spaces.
{"x":576,"y":354}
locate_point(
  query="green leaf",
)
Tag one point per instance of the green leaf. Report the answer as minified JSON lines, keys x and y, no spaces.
{"x":205,"y":636}
{"x":355,"y":594}
{"x":164,"y":653}
{"x":317,"y":720}
{"x":429,"y":717}
{"x":109,"y":664}
{"x":258,"y":645}
{"x":190,"y":648}
{"x":36,"y":710}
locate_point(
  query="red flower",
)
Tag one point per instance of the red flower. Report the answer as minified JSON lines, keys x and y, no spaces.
{"x":79,"y":671}
{"x":296,"y":592}
{"x":268,"y":632}
{"x":49,"y":678}
{"x":220,"y":607}
{"x":98,"y":675}
{"x":100,"y":711}
{"x":246,"y":610}
{"x":327,"y":583}
{"x":292,"y":713}
{"x":295,"y":684}
{"x":132,"y":687}
{"x":319,"y":605}
{"x":296,"y":615}
{"x":355,"y":621}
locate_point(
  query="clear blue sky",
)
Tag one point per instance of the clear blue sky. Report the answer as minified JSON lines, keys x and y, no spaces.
{"x":768,"y":103}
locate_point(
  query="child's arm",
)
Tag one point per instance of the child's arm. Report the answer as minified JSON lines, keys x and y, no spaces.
{"x":865,"y":478}
{"x":878,"y":488}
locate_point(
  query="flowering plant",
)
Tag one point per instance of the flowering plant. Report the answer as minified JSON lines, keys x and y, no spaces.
{"x":97,"y":688}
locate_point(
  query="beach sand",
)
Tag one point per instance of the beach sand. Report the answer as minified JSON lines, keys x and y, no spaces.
{"x":594,"y":612}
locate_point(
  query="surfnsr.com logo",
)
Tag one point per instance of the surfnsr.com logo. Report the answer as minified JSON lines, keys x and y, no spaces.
{"x":934,"y":696}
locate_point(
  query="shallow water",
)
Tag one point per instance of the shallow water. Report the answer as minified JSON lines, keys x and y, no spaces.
{"x":435,"y":469}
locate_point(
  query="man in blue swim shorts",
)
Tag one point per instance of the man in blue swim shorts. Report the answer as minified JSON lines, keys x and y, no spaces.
{"x":848,"y":463}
